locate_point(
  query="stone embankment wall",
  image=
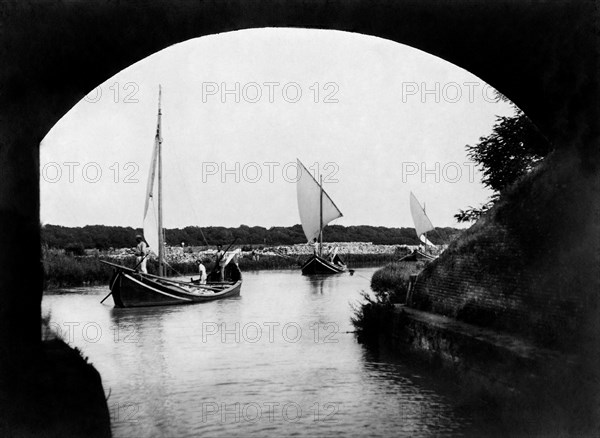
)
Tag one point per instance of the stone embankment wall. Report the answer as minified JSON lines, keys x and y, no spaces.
{"x":531,"y":266}
{"x":511,"y":309}
{"x":537,"y":391}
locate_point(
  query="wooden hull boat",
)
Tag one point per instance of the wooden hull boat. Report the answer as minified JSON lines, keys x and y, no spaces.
{"x":130,"y":288}
{"x":417,"y":256}
{"x":319,"y":265}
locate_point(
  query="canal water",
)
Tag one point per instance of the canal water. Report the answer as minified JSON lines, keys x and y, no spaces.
{"x":280,"y":360}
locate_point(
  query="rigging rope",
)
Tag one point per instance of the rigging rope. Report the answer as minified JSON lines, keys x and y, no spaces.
{"x":174,"y":270}
{"x":186,"y":190}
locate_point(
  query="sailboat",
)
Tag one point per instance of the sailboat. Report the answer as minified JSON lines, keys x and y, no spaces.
{"x":422,"y":226}
{"x":131,"y":288}
{"x":316,"y":211}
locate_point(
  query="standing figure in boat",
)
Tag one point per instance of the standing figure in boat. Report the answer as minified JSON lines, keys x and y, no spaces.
{"x":334,"y":257}
{"x":202,"y":270}
{"x":141,"y":253}
{"x":226,"y":268}
{"x":219,"y":262}
{"x":133,"y":288}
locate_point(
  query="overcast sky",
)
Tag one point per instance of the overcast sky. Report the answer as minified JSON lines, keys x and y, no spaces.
{"x":376,"y":118}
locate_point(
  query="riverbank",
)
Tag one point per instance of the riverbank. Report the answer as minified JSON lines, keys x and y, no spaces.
{"x":62,"y":269}
{"x":510,"y":309}
{"x":531,"y":389}
{"x":53,"y":392}
{"x":390,"y":286}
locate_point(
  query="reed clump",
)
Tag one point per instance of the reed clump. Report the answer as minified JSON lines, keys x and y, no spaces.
{"x":372,"y":318}
{"x":392,"y":280}
{"x":66,"y":269}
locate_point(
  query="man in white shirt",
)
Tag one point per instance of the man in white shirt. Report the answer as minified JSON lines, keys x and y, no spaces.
{"x":202,"y":269}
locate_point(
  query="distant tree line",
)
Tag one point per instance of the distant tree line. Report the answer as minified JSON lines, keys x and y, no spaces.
{"x":102,"y":237}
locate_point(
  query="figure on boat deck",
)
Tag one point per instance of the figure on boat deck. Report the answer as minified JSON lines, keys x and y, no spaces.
{"x":136,"y":288}
{"x":141,"y":252}
{"x":226,"y":268}
{"x":202,"y":270}
{"x":335,"y":258}
{"x":220,"y":262}
{"x":331,"y":253}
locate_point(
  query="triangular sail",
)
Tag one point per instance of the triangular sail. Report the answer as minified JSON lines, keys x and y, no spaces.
{"x":425,"y":240}
{"x":151,"y":204}
{"x":420,"y":219}
{"x":308,"y":191}
{"x":229,"y":255}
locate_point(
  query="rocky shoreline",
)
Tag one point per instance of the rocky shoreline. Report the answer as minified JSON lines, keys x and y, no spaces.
{"x":191,"y":254}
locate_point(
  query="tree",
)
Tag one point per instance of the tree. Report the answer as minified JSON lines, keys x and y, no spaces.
{"x":513,"y":149}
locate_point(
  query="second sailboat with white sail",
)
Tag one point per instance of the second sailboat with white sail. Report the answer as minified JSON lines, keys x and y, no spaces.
{"x":316,"y":210}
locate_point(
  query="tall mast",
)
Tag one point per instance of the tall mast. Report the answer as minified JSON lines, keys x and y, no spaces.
{"x":321,"y":216}
{"x":425,"y":233}
{"x":161,"y":243}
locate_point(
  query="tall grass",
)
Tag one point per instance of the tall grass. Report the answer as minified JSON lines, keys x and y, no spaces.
{"x":65,"y":270}
{"x":366,"y":260}
{"x":373,"y":317}
{"x":61,"y":270}
{"x":391,"y":281}
{"x":266,"y":262}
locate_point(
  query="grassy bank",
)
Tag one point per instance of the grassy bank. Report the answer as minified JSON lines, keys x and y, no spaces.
{"x":392,"y":280}
{"x":51,"y":390}
{"x":372,"y":317}
{"x":67,"y":270}
{"x":529,"y":266}
{"x":527,"y":269}
{"x":266,"y":262}
{"x":62,"y":270}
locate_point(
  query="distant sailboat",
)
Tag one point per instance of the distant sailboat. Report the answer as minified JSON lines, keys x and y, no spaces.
{"x":420,"y":219}
{"x":130,"y":288}
{"x":316,"y":210}
{"x":422,"y":226}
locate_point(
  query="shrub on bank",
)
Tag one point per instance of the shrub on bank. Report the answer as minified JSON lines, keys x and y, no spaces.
{"x":373,"y":317}
{"x":392,"y":280}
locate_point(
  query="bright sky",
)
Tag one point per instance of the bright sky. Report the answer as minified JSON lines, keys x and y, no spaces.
{"x":376,"y":118}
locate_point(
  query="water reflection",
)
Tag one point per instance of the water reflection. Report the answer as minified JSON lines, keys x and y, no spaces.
{"x":321,"y":284}
{"x":278,"y":360}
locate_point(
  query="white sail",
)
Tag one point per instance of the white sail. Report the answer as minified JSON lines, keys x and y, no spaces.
{"x":229,"y":255}
{"x":308,"y":191}
{"x":151,"y":205}
{"x":420,"y":219}
{"x":425,"y":240}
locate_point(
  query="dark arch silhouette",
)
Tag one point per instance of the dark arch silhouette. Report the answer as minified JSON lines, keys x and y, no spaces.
{"x":543,"y":56}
